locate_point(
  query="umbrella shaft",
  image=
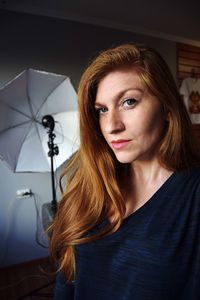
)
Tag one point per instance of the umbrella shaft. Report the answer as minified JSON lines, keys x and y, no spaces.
{"x":53,"y":150}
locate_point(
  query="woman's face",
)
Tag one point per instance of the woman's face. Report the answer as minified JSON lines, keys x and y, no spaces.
{"x":132,"y":120}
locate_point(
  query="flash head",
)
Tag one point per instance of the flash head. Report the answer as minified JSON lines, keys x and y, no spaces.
{"x":48,"y":122}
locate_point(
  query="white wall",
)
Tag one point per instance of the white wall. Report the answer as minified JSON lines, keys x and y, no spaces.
{"x":57,"y":46}
{"x":18,"y":216}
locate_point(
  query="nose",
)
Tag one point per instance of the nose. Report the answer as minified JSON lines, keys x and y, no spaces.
{"x":113,"y":123}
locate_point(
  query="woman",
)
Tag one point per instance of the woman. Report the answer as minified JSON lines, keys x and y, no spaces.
{"x":128,"y":223}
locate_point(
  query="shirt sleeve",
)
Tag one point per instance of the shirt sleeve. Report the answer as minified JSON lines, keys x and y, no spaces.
{"x":63,"y":290}
{"x":184,"y":88}
{"x":184,"y":91}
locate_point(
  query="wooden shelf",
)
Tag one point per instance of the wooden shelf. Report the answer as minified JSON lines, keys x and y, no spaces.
{"x":35,"y":278}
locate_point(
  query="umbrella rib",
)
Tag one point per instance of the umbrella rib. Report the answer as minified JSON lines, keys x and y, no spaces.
{"x":20,"y":112}
{"x":34,"y":120}
{"x":23,"y":143}
{"x":14,"y":126}
{"x":16,"y":110}
{"x":27,"y":118}
{"x":34,"y":116}
{"x":50,"y":94}
{"x":28,"y":97}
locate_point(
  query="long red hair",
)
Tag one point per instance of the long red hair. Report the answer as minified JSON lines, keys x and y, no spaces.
{"x":93,"y":175}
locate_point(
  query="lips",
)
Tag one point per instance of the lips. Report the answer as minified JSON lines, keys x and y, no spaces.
{"x":119,"y":144}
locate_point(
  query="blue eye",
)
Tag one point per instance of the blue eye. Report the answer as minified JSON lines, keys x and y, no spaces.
{"x":101,"y":110}
{"x":129,"y":102}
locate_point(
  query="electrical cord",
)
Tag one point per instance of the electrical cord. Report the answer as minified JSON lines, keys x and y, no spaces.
{"x":9,"y":222}
{"x":40,"y":233}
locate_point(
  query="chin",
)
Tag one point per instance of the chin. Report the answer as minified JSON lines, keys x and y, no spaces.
{"x":124,"y":159}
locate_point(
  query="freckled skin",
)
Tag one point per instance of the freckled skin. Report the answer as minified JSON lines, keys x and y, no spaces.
{"x":127,"y":111}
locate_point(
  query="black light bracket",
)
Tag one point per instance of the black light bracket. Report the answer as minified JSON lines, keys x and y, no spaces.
{"x":49,"y":123}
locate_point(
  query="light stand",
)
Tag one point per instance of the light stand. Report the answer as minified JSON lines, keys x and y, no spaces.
{"x":48,"y":209}
{"x":49,"y":123}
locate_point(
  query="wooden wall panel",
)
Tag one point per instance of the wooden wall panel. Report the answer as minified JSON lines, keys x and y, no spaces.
{"x":188,"y":58}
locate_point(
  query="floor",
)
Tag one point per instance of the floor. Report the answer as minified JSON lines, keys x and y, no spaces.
{"x":32,"y":280}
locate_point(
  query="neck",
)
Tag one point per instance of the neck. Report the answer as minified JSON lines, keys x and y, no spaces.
{"x":143,"y":181}
{"x":149,"y":171}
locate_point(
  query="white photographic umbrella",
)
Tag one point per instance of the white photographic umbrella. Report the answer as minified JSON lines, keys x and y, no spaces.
{"x":23,"y":103}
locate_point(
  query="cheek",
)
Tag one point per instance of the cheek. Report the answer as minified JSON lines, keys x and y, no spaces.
{"x":149,"y":123}
{"x":102,"y":129}
{"x":102,"y":126}
{"x":156,"y":127}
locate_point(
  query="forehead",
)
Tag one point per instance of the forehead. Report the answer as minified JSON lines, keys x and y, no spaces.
{"x":118,"y":81}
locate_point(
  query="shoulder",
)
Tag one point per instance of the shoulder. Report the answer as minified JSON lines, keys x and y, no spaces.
{"x":188,"y":184}
{"x":191,"y":176}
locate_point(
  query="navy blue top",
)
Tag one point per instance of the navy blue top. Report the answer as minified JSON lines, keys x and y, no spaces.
{"x":155,"y":255}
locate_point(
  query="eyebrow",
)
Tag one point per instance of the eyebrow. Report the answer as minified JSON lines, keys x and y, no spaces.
{"x":120,"y":94}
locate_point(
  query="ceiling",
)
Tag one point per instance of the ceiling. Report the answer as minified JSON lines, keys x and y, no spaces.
{"x":175,"y":20}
